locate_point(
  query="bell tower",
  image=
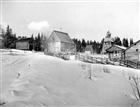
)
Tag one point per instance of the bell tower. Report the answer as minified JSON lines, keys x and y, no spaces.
{"x":108,"y":34}
{"x":108,"y":41}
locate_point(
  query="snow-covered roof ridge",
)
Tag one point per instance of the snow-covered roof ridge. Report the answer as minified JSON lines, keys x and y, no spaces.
{"x":115,"y":47}
{"x":122,"y":47}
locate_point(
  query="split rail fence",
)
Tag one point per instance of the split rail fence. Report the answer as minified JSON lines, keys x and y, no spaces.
{"x":93,"y":59}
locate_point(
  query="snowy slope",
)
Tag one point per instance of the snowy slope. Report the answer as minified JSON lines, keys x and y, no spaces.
{"x":48,"y":81}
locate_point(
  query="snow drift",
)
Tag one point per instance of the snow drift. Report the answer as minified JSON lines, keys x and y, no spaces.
{"x":43,"y":81}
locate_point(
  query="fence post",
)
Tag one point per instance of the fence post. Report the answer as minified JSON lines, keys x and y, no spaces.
{"x":137,"y":64}
{"x":127,"y":63}
{"x":75,"y":56}
{"x":120,"y":61}
{"x":89,"y":70}
{"x":92,"y":59}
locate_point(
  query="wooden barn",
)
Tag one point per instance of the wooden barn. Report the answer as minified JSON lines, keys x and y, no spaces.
{"x":115,"y":52}
{"x":89,"y":49}
{"x":24,"y":44}
{"x":60,"y":42}
{"x":133,"y":52}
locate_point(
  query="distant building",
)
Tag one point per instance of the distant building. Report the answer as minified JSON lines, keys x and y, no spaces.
{"x":89,"y":49}
{"x":60,"y":42}
{"x":115,"y":52}
{"x":1,"y":40}
{"x":24,"y":44}
{"x":108,"y":41}
{"x":133,"y":52}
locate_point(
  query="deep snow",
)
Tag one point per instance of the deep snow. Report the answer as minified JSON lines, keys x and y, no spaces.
{"x":32,"y":79}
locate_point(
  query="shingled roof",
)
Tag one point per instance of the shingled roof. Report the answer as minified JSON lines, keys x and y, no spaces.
{"x":63,"y":37}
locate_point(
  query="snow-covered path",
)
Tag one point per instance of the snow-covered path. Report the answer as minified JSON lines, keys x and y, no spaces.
{"x":48,"y":81}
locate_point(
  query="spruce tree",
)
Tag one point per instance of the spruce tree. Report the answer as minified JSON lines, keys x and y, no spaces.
{"x":131,"y":41}
{"x":9,"y":38}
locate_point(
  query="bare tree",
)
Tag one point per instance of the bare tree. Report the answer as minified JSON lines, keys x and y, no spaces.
{"x":136,"y":86}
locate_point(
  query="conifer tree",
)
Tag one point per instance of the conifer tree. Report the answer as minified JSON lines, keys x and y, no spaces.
{"x":9,"y":38}
{"x":131,"y":41}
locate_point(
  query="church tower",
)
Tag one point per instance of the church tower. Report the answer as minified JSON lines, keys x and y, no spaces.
{"x":108,"y":41}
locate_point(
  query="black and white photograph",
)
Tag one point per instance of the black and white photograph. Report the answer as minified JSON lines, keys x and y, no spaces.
{"x":69,"y":53}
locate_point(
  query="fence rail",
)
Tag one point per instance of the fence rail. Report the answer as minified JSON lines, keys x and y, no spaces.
{"x":93,"y":59}
{"x":130,"y":63}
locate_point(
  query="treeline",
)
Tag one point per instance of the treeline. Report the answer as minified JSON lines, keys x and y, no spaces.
{"x":9,"y":38}
{"x":39,"y":42}
{"x":97,"y":46}
{"x":81,"y":45}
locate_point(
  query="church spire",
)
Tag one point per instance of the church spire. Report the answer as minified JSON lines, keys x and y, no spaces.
{"x":108,"y":34}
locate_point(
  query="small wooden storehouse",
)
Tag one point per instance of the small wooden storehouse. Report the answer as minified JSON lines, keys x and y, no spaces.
{"x":60,"y":42}
{"x":89,"y":49}
{"x":133,"y":52}
{"x":24,"y":44}
{"x":115,"y":52}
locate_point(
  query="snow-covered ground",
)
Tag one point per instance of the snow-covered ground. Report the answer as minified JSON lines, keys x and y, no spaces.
{"x":37,"y":80}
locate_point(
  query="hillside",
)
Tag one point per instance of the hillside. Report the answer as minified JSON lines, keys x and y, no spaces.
{"x":32,"y":79}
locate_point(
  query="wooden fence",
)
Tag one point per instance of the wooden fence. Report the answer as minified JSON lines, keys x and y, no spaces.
{"x":64,"y":56}
{"x":92,"y":59}
{"x":130,"y":63}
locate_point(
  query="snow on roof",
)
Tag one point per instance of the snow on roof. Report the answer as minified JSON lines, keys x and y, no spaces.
{"x":64,"y":37}
{"x":122,"y":47}
{"x":115,"y":48}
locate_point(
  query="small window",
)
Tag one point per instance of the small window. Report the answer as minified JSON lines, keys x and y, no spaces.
{"x":137,"y":50}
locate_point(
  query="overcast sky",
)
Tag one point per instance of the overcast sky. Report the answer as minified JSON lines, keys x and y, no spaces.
{"x":88,"y":20}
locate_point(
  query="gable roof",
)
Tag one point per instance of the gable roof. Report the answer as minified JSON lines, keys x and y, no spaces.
{"x":133,"y":44}
{"x":63,"y":37}
{"x":24,"y":40}
{"x":115,"y":48}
